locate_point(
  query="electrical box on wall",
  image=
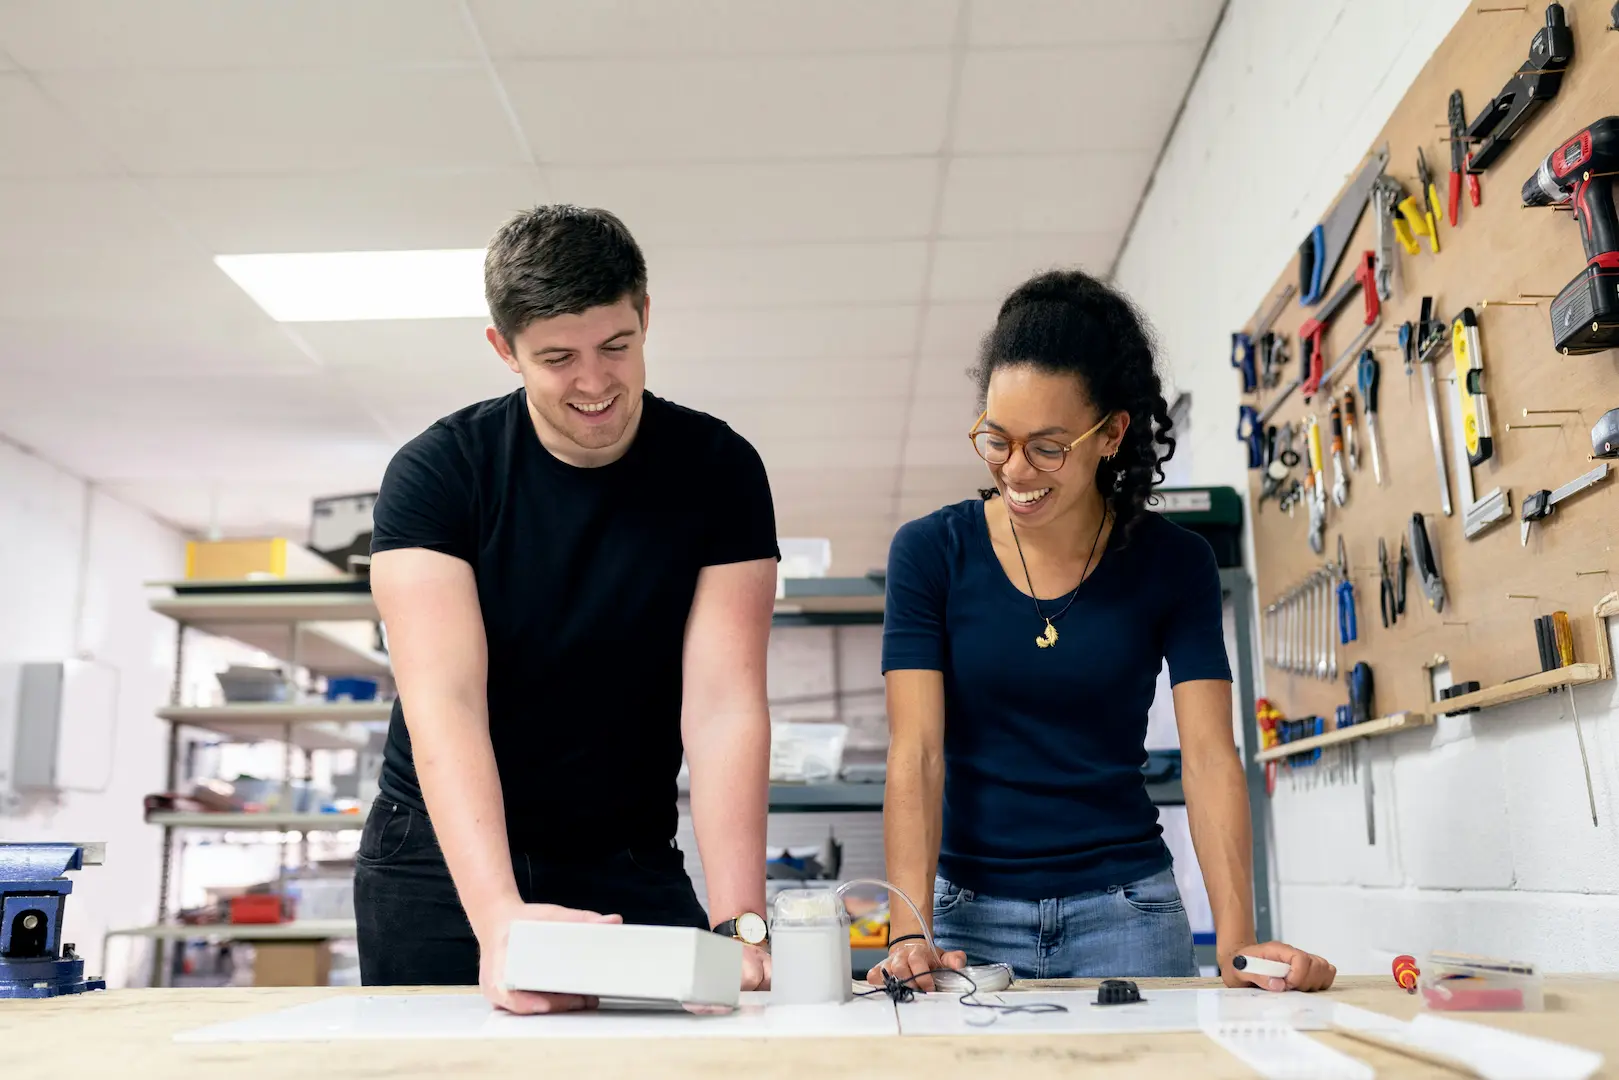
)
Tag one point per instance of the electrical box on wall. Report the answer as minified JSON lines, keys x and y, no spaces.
{"x":56,"y":726}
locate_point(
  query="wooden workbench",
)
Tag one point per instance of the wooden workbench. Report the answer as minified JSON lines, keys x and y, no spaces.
{"x":129,"y":1034}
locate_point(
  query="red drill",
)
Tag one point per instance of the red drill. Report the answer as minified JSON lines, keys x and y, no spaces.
{"x":1585,"y":315}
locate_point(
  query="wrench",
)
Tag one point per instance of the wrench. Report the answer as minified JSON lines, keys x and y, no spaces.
{"x":1332,"y":623}
{"x":1325,"y":624}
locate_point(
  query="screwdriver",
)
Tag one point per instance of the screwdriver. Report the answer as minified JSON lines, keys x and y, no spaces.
{"x":1351,"y":431}
{"x":1340,"y":476}
{"x":1558,"y":636}
{"x":1370,"y":376}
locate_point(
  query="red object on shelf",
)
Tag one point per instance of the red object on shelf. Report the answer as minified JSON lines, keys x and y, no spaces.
{"x":1457,"y":996}
{"x":257,"y":909}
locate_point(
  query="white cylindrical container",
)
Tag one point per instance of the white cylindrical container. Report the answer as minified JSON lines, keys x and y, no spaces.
{"x":809,"y":948}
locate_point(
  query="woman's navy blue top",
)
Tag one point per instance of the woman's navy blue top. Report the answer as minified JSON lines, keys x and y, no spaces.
{"x":1043,"y":748}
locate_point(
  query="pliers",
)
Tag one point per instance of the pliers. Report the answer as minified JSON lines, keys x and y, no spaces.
{"x":1391,"y":612}
{"x":1435,"y":210}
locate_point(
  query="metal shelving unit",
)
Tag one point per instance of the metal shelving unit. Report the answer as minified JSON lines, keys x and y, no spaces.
{"x":324,"y":627}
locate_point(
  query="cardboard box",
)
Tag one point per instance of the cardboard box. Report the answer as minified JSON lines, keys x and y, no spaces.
{"x":266,"y":557}
{"x":627,"y":963}
{"x":291,"y":963}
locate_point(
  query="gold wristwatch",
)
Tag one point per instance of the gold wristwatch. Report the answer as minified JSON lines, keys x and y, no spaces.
{"x":748,"y":928}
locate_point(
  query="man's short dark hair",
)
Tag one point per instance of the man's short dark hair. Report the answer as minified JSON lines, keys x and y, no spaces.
{"x":560,"y":260}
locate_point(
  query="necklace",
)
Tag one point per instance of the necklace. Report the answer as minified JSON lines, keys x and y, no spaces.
{"x":1048,"y":636}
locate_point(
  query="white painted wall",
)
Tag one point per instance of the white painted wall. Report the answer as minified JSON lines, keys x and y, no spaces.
{"x":1484,"y":840}
{"x":52,"y":529}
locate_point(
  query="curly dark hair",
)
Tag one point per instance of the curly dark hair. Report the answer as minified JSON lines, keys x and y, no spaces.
{"x":1067,"y":322}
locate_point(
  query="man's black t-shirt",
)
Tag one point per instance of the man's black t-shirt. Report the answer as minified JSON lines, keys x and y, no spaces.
{"x":586,"y":578}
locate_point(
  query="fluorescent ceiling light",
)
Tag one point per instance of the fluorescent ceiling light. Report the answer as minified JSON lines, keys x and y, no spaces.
{"x":352,"y":286}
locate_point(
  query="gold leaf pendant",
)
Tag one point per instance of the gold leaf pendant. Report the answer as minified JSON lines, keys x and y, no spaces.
{"x":1048,"y":637}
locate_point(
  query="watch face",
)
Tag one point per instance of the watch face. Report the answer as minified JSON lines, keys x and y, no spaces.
{"x":750,"y":928}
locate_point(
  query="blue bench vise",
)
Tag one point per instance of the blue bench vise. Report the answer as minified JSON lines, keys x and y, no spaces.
{"x":34,"y":963}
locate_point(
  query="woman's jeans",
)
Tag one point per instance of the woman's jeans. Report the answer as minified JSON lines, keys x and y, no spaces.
{"x":1138,"y":930}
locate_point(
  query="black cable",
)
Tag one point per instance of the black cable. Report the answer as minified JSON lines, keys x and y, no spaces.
{"x":898,"y":990}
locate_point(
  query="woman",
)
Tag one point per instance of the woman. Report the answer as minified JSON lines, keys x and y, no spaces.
{"x":1023,"y":639}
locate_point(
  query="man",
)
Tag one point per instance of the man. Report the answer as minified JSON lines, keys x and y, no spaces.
{"x":577,"y":581}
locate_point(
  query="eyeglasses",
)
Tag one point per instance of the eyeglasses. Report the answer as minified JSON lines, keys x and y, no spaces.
{"x":1046,"y":455}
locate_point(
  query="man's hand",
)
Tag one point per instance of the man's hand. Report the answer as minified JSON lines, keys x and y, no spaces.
{"x":1309,"y":972}
{"x":492,"y":960}
{"x":912,"y":960}
{"x":755,"y":968}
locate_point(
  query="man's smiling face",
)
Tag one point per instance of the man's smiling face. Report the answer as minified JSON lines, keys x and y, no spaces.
{"x":584,"y":374}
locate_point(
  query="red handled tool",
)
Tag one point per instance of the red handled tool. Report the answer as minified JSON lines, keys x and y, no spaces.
{"x":1314,"y":329}
{"x":1405,"y":973}
{"x":1461,"y":159}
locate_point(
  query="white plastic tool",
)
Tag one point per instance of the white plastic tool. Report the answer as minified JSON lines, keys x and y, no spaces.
{"x":1482,"y":1051}
{"x":1280,"y":1052}
{"x":1256,"y":965}
{"x":632,"y":963}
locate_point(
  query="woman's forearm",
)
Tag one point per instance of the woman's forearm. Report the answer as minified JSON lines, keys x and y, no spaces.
{"x":912,"y":825}
{"x":1217,"y":810}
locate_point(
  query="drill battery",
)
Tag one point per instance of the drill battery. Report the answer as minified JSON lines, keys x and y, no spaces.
{"x":1585,"y":315}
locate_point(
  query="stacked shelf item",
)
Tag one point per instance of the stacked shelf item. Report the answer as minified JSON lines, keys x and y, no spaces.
{"x":319,"y":628}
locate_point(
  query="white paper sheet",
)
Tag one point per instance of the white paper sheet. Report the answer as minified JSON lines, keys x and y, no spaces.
{"x":1159,"y":1011}
{"x":469,"y":1016}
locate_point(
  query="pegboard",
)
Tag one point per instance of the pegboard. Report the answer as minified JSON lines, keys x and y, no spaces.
{"x":1499,"y":252}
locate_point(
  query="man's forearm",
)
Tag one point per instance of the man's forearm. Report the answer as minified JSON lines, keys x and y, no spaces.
{"x":455,"y":764}
{"x":912,"y":825}
{"x":1217,"y":810}
{"x":729,"y":759}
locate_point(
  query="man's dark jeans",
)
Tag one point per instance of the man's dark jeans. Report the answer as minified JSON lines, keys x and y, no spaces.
{"x":414,"y":932}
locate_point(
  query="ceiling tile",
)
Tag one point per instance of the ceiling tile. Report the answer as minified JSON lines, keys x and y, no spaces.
{"x":551,"y":28}
{"x":263,"y":508}
{"x":817,"y":485}
{"x":775,"y":333}
{"x":368,"y":211}
{"x":951,"y":333}
{"x":714,"y":384}
{"x":103,"y":35}
{"x":403,"y":349}
{"x":990,"y":269}
{"x":1088,"y":22}
{"x":37,"y":139}
{"x":998,"y":196}
{"x":867,"y":421}
{"x":940,"y":449}
{"x":831,"y":453}
{"x":944,"y":481}
{"x":99,"y":250}
{"x":731,"y":109}
{"x":87,"y":335}
{"x":314,"y":121}
{"x":759,"y":202}
{"x":802,"y":274}
{"x":1010,"y":101}
{"x":946,"y":412}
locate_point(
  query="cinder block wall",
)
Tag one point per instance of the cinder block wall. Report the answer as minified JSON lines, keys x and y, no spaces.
{"x":1484,"y":839}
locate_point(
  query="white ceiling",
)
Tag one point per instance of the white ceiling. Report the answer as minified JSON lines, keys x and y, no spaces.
{"x":833,"y":195}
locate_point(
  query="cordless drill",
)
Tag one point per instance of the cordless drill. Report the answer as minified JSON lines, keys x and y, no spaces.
{"x":1585,"y":315}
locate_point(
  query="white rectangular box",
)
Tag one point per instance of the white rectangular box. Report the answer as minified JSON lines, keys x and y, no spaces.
{"x":608,"y":960}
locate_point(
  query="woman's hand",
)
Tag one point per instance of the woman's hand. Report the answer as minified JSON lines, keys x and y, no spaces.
{"x":1308,"y":971}
{"x":912,"y":960}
